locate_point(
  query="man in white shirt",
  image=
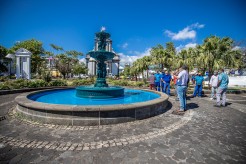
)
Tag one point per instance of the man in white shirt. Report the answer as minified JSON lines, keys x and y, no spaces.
{"x":214,"y":85}
{"x":182,"y":83}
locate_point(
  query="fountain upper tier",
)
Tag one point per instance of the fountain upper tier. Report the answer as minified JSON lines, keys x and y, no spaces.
{"x":102,"y":55}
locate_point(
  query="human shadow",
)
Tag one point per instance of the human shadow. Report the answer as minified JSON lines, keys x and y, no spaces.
{"x":192,"y":106}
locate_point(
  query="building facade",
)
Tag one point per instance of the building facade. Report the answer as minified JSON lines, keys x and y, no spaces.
{"x":113,"y":66}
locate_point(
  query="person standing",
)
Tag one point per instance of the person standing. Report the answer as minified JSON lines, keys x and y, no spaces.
{"x":222,"y":88}
{"x":181,"y":89}
{"x":166,"y":79}
{"x":193,"y":78}
{"x":214,"y":85}
{"x":175,"y":78}
{"x":152,"y":81}
{"x":157,"y":81}
{"x":198,"y":88}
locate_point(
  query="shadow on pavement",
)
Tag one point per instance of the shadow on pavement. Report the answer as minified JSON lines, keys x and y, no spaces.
{"x":192,"y":106}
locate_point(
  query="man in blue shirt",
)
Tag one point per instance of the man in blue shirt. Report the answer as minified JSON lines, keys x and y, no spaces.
{"x":166,"y":78}
{"x":157,"y":81}
{"x":198,"y":88}
{"x":222,"y":88}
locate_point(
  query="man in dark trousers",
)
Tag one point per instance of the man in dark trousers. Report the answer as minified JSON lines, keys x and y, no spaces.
{"x":198,"y":88}
{"x":166,"y":79}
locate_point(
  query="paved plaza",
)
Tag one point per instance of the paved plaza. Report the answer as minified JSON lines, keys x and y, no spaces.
{"x":205,"y":134}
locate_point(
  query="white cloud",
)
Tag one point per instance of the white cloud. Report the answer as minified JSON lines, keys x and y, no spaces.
{"x":129,"y":59}
{"x":103,"y":28}
{"x":187,"y":46}
{"x":187,"y":33}
{"x":236,"y":48}
{"x":190,"y":45}
{"x":197,"y":25}
{"x":125,"y":45}
{"x":82,"y":60}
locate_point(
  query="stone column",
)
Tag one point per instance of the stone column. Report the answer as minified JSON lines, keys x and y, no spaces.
{"x":28,"y":68}
{"x":96,"y":45}
{"x":118,"y":69}
{"x":17,"y":67}
{"x":95,"y":68}
{"x":110,"y":46}
{"x":111,"y":69}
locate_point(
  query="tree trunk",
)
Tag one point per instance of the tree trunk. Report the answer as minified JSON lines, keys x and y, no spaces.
{"x":64,"y":75}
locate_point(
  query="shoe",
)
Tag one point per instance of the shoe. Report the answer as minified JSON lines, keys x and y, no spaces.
{"x":211,"y":98}
{"x":218,"y":106}
{"x":178,"y":112}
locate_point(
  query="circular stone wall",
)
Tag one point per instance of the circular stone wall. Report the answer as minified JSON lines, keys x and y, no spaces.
{"x":77,"y":115}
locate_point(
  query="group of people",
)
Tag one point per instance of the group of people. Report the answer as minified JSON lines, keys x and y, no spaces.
{"x":180,"y":78}
{"x":218,"y":85}
{"x":161,"y":82}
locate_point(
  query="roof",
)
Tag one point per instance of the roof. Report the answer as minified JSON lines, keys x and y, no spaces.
{"x":23,"y":52}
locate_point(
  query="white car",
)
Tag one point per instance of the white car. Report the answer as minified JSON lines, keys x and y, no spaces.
{"x":83,"y":76}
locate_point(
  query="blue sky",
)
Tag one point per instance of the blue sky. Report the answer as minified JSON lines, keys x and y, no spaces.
{"x":135,"y":25}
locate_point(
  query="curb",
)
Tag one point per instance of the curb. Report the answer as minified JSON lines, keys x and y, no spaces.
{"x":5,"y":92}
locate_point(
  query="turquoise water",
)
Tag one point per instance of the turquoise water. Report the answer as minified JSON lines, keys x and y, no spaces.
{"x":68,"y":97}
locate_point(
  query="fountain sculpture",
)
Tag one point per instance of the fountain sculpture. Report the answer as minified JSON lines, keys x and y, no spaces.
{"x":100,"y":89}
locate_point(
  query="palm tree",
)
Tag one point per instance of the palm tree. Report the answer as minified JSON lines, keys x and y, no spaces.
{"x":161,"y":56}
{"x":146,"y":61}
{"x":157,"y":55}
{"x":218,"y":53}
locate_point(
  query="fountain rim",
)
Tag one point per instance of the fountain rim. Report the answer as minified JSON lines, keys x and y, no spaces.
{"x":24,"y":101}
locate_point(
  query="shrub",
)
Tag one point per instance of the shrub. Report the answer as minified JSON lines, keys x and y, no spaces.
{"x":46,"y":76}
{"x":120,"y":82}
{"x":3,"y":86}
{"x":78,"y":82}
{"x":139,"y":83}
{"x":19,"y":83}
{"x":58,"y":83}
{"x":3,"y":78}
{"x":37,"y":83}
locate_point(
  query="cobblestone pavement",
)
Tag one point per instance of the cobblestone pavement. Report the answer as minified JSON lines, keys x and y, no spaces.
{"x":205,"y":134}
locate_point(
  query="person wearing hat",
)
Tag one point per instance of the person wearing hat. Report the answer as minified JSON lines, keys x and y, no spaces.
{"x":213,"y":84}
{"x":198,"y":88}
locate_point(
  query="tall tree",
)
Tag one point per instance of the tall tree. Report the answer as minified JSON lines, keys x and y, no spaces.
{"x":219,"y":53}
{"x":163,"y":57}
{"x":157,"y":54}
{"x":79,"y":68}
{"x":3,"y":53}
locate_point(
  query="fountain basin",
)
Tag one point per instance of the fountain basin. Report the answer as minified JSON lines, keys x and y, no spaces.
{"x":99,"y":92}
{"x":88,"y":115}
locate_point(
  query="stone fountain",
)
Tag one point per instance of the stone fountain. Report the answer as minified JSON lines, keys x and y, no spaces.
{"x":100,"y":89}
